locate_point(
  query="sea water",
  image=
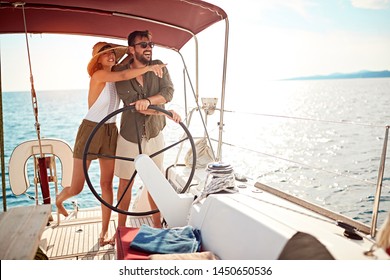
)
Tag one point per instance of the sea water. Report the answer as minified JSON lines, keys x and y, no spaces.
{"x":318,"y":140}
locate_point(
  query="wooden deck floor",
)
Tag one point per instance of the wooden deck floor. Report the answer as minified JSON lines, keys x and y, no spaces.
{"x":77,"y":238}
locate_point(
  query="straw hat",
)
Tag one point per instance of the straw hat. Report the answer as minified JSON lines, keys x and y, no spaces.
{"x":103,"y":47}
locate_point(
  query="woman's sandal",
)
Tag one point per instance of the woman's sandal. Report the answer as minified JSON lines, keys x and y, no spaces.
{"x":112,"y":241}
{"x":103,"y":242}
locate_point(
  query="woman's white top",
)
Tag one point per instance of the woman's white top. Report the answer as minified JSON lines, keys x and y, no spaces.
{"x":107,"y":102}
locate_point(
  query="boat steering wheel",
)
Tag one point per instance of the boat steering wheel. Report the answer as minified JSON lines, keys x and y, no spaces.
{"x":115,"y":208}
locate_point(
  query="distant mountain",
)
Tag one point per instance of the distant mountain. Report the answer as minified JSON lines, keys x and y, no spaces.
{"x":360,"y":74}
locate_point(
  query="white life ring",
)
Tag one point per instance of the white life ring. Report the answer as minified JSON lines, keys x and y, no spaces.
{"x":17,"y":164}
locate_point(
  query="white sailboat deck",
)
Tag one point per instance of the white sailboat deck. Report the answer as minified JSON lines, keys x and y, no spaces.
{"x":76,"y":238}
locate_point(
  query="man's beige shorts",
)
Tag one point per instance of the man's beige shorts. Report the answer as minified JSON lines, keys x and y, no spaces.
{"x":124,"y":169}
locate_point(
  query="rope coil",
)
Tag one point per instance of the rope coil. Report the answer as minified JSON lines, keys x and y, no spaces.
{"x":220,"y":177}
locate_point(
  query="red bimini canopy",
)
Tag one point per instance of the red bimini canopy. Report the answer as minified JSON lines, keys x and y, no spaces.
{"x":172,"y":22}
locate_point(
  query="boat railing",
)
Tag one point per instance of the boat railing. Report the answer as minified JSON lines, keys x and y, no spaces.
{"x":303,"y":164}
{"x":213,"y":139}
{"x":379,"y":184}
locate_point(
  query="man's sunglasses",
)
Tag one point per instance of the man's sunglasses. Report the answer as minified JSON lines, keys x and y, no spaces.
{"x":145,"y":44}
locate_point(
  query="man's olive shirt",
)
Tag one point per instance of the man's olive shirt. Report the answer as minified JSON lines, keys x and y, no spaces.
{"x":130,"y":91}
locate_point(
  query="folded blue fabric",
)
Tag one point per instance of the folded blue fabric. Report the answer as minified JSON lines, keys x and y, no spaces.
{"x":167,"y":241}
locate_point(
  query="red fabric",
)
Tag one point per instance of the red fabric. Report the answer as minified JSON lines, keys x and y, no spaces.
{"x":44,"y":180}
{"x":124,"y":236}
{"x":388,"y":251}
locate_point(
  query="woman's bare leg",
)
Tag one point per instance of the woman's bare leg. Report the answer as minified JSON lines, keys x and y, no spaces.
{"x":106,"y":177}
{"x":77,"y":185}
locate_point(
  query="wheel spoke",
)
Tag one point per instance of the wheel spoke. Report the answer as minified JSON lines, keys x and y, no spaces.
{"x":168,"y":147}
{"x":127,"y":188}
{"x":111,"y":157}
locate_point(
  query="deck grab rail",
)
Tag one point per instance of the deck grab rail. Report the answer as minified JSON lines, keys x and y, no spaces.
{"x":379,"y":184}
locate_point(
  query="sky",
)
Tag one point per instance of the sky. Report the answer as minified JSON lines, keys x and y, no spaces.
{"x":268,"y":40}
